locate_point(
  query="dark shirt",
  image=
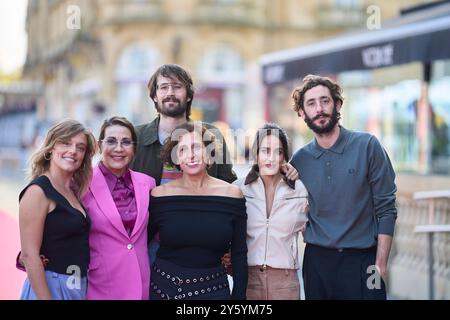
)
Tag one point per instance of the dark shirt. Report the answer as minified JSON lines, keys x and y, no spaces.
{"x":196,"y":231}
{"x":147,"y":158}
{"x":351,"y":191}
{"x":65,"y":240}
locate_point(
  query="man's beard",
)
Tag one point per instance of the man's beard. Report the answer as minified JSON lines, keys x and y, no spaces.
{"x":334,"y":119}
{"x":175,"y":111}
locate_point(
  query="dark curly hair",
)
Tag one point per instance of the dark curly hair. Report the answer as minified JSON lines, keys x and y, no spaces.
{"x":171,"y":144}
{"x":311,"y":81}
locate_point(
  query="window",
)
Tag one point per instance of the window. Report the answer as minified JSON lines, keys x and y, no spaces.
{"x":347,"y":4}
{"x":440,"y":125}
{"x":134,"y":68}
{"x":222,"y":63}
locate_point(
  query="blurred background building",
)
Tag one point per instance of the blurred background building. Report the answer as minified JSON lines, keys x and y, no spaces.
{"x":103,"y":67}
{"x":396,"y":82}
{"x":89,"y":59}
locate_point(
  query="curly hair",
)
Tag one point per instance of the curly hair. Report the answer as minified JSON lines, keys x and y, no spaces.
{"x":169,"y":149}
{"x":311,"y":81}
{"x":39,"y":162}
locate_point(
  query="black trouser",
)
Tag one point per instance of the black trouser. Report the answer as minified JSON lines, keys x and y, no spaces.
{"x":341,"y":274}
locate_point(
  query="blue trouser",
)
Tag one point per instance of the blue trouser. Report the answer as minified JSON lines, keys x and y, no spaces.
{"x":61,"y":287}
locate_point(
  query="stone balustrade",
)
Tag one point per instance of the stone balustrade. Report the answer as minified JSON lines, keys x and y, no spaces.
{"x":408,"y":271}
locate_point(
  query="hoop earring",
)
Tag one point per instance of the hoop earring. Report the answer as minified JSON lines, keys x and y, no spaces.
{"x":47,"y":157}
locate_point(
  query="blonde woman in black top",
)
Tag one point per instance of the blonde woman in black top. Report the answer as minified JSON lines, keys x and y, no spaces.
{"x":52,"y":221}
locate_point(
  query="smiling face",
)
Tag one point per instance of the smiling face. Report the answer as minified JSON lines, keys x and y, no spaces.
{"x":191,"y":153}
{"x":270,"y":156}
{"x":171,"y":97}
{"x":117,"y":149}
{"x":68,"y":154}
{"x":320,"y":112}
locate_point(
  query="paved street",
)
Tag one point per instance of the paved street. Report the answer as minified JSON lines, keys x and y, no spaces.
{"x":10,"y":188}
{"x":11,"y":279}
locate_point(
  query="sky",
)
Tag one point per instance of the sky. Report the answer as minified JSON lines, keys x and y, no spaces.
{"x":13,"y":38}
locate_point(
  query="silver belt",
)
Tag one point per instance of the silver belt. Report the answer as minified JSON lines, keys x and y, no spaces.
{"x":178,"y":281}
{"x":189,"y":294}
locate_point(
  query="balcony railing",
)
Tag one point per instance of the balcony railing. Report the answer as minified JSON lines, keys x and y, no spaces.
{"x":330,"y":17}
{"x":233,"y":12}
{"x":124,"y":11}
{"x":409,"y":261}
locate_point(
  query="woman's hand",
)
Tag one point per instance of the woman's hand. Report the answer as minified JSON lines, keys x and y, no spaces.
{"x":20,"y":264}
{"x":226,"y":262}
{"x":289,"y":171}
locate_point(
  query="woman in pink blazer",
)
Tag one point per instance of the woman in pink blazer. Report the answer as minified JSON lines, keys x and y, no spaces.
{"x":117,"y":202}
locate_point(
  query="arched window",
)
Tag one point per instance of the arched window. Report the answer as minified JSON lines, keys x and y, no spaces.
{"x":222,"y":63}
{"x":134,"y":68}
{"x":222,"y":75}
{"x":136,"y":62}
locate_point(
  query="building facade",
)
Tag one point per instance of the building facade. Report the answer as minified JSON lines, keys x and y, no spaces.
{"x":94,"y":57}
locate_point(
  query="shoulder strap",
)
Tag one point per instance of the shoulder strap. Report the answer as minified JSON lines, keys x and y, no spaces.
{"x":46,"y":186}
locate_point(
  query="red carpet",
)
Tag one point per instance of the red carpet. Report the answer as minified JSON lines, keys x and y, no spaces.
{"x":11,"y":279}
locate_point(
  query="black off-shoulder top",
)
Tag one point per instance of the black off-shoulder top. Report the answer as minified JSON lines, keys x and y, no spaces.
{"x":196,"y":231}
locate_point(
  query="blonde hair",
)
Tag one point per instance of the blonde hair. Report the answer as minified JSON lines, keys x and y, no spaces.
{"x":39,"y":162}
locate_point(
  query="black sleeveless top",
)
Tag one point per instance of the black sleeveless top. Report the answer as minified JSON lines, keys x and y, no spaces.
{"x":65,"y":240}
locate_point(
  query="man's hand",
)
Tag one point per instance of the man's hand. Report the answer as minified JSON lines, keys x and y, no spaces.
{"x":289,"y":171}
{"x":226,"y":262}
{"x":382,"y":271}
{"x":383,"y":249}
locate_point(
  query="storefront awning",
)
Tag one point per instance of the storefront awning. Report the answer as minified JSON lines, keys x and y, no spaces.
{"x":423,"y":41}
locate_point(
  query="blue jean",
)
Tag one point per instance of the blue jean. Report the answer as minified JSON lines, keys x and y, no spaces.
{"x":60,"y":287}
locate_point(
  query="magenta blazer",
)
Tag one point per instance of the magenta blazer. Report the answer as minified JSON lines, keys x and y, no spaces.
{"x":119,"y":264}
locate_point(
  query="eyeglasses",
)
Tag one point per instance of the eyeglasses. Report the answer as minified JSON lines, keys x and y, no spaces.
{"x":112,"y":143}
{"x":164,"y":88}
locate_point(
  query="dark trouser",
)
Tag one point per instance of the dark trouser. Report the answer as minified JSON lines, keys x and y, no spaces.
{"x":341,"y":274}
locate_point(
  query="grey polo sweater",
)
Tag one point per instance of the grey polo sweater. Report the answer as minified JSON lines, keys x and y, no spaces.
{"x":351,"y":191}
